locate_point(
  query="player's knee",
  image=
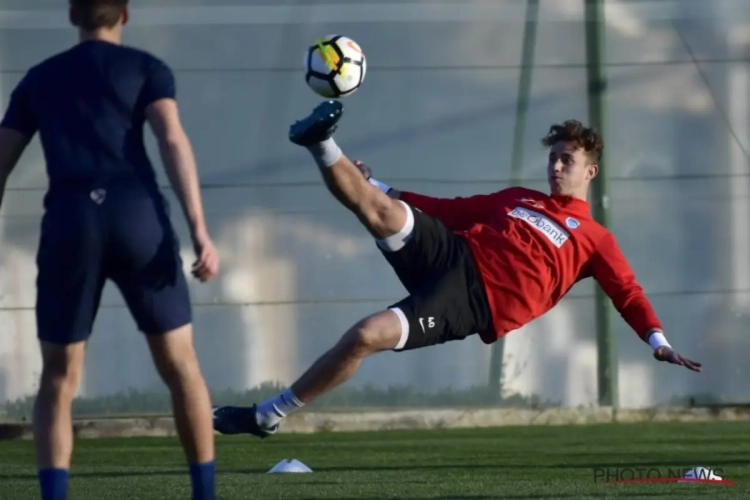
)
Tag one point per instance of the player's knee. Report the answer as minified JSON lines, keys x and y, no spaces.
{"x":394,"y":225}
{"x":361,"y":340}
{"x":62,"y":368}
{"x":174,"y":356}
{"x":61,"y":376}
{"x":180,"y":372}
{"x":376,"y":333}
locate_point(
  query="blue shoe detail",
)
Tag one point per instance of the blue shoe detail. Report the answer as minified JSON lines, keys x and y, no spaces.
{"x":318,"y":125}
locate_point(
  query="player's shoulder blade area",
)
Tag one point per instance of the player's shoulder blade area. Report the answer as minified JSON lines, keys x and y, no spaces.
{"x":131,"y":54}
{"x":53,"y":62}
{"x":522,"y":194}
{"x":138,"y":52}
{"x":116,"y":52}
{"x":518,"y":190}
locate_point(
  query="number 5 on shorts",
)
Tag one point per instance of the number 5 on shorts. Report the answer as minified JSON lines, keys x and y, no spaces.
{"x":430,"y":323}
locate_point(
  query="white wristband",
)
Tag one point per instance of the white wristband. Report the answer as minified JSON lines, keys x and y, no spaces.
{"x":383,"y":187}
{"x":657,"y":339}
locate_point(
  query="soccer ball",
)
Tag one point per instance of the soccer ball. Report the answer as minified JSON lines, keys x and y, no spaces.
{"x":335,"y":66}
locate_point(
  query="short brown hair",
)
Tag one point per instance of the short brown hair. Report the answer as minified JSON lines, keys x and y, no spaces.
{"x":575,"y":132}
{"x":91,"y":15}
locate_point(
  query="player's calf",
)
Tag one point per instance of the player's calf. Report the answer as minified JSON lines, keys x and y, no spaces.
{"x":62,"y":366}
{"x":380,"y":214}
{"x":379,"y":332}
{"x":178,"y":366}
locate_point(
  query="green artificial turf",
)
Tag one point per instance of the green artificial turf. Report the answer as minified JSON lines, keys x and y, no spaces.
{"x":518,"y":462}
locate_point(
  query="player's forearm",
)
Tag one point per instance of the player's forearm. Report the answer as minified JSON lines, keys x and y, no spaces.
{"x":3,"y":181}
{"x":5,"y":171}
{"x":12,"y":146}
{"x":180,"y":165}
{"x":638,"y":312}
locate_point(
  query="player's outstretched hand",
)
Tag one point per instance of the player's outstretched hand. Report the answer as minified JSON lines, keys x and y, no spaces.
{"x":669,"y":355}
{"x":366,"y":171}
{"x":206,"y":265}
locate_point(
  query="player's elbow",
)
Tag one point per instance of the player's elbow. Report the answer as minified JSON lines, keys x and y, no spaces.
{"x":174,"y":148}
{"x":630,"y":302}
{"x":173,"y":142}
{"x":12,"y":145}
{"x":384,"y":215}
{"x":622,"y":299}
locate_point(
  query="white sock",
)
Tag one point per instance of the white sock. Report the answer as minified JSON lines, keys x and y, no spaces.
{"x":326,"y":153}
{"x":271,"y":412}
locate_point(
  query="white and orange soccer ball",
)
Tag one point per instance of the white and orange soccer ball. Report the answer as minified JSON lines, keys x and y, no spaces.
{"x":335,"y":66}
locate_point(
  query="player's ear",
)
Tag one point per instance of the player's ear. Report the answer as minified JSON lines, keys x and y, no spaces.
{"x":125,"y":16}
{"x":593,"y":170}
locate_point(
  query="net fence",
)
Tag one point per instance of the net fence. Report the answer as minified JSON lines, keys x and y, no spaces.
{"x":436,"y":115}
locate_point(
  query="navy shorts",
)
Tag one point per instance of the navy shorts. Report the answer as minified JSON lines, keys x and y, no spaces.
{"x":122,"y":235}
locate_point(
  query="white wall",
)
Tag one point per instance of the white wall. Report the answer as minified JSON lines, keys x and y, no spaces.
{"x":436,"y":115}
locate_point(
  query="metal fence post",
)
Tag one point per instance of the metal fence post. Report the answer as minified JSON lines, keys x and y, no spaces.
{"x":597,"y":88}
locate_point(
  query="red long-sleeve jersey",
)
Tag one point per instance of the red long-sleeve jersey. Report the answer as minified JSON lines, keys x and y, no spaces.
{"x":531,"y":248}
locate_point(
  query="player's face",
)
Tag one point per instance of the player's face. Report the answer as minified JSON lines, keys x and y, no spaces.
{"x":569,"y":170}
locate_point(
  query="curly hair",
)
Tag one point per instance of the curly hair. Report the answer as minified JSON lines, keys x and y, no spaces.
{"x":576,"y":132}
{"x":91,"y":15}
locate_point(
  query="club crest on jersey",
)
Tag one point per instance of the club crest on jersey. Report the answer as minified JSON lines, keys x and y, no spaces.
{"x":98,"y":196}
{"x":554,"y":233}
{"x":572,"y":223}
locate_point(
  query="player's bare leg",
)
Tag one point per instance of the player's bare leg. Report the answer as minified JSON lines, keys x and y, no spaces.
{"x":177,"y":363}
{"x":391,"y":223}
{"x":379,"y":332}
{"x":381,"y":215}
{"x":62,"y":366}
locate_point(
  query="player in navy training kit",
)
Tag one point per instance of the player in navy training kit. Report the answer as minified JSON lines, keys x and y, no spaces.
{"x":106,"y":219}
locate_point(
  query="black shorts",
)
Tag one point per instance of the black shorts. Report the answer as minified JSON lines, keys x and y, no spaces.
{"x":124,"y":236}
{"x":447,"y":300}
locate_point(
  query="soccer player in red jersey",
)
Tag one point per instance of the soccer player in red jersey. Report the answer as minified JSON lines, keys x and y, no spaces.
{"x":485,"y":264}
